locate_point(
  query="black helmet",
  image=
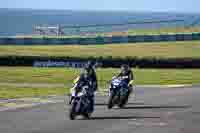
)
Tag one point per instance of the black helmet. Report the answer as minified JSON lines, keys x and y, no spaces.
{"x":86,"y":71}
{"x":90,"y":64}
{"x":87,"y":68}
{"x":124,"y":68}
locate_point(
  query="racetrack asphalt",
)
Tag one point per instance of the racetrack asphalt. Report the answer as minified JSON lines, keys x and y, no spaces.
{"x":153,"y":110}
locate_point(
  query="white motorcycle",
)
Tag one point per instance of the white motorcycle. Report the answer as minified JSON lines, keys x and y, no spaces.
{"x":80,"y":104}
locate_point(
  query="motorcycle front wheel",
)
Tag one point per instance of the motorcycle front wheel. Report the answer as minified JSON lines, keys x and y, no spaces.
{"x":86,"y":116}
{"x":111,"y":101}
{"x":72,"y":113}
{"x":123,"y":101}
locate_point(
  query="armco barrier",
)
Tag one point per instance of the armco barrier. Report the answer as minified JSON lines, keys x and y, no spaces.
{"x":120,"y":39}
{"x":164,"y":37}
{"x":107,"y":40}
{"x":139,"y":38}
{"x":179,"y":37}
{"x":131,"y":39}
{"x":100,"y":40}
{"x":171,"y":38}
{"x":104,"y":62}
{"x":58,"y":64}
{"x":157,"y":38}
{"x":148,"y":38}
{"x":2,"y":41}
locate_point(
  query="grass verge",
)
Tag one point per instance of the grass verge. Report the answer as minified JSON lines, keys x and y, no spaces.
{"x":18,"y":92}
{"x":187,"y":49}
{"x":52,"y":76}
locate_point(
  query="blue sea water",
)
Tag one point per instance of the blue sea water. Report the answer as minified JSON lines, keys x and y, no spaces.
{"x":22,"y":21}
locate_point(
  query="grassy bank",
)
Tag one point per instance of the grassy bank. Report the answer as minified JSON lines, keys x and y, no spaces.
{"x":7,"y":91}
{"x":52,"y":76}
{"x":160,"y":50}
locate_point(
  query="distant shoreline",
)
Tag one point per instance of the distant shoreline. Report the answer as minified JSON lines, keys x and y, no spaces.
{"x":21,"y":21}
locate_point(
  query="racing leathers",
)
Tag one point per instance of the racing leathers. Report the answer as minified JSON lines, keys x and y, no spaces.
{"x":128,"y":78}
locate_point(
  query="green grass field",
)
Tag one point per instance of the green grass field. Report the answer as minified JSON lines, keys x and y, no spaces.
{"x":52,"y":76}
{"x":20,"y":92}
{"x":159,"y":50}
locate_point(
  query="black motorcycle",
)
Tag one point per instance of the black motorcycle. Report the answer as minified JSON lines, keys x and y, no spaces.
{"x":118,"y":93}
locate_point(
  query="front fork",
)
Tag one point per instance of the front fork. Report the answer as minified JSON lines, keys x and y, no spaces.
{"x":71,"y":99}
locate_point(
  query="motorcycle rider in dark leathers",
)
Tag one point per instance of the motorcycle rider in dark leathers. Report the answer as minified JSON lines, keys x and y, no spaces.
{"x":88,"y":77}
{"x":127,"y":75}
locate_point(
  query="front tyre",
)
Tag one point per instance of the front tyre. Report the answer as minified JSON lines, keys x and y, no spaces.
{"x":123,"y":100}
{"x":87,"y":116}
{"x":110,"y":101}
{"x":72,"y":113}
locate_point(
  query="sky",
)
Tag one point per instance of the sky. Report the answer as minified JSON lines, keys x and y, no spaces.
{"x":190,"y":6}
